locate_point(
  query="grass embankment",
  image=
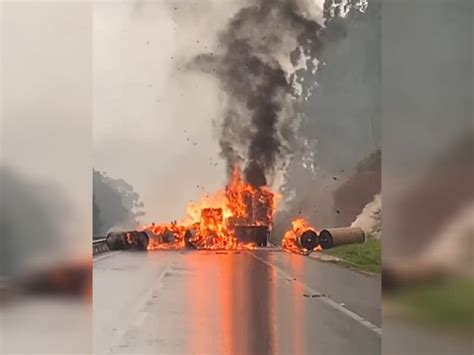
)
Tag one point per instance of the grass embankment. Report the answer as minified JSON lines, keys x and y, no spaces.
{"x":365,"y":256}
{"x":447,"y":304}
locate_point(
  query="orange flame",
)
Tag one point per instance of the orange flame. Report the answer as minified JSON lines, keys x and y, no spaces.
{"x":290,"y":241}
{"x":210,"y":223}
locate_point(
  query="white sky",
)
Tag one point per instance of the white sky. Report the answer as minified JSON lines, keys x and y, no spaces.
{"x":153,"y":122}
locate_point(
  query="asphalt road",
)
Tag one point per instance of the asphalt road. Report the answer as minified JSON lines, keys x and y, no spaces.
{"x":207,"y":302}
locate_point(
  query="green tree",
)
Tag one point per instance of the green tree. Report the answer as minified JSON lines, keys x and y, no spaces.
{"x":115,"y":204}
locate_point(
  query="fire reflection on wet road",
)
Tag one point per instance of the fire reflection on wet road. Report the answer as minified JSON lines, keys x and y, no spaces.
{"x":207,"y":302}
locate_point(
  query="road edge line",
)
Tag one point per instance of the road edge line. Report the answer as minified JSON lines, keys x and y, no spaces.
{"x":369,"y":325}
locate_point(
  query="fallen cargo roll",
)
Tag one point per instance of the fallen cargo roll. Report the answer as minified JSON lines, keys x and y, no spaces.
{"x":142,"y":241}
{"x":332,"y":237}
{"x":191,"y":238}
{"x":118,"y":241}
{"x":127,"y":240}
{"x":308,"y":240}
{"x":110,"y":240}
{"x":167,"y":237}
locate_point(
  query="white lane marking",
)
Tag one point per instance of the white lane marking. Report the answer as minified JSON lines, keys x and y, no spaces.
{"x":324,"y":299}
{"x":106,"y":255}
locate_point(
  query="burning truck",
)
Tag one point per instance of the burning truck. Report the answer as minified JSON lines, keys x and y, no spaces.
{"x":237,"y":217}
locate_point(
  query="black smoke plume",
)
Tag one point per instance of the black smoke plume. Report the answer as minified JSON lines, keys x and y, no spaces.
{"x":253,"y":62}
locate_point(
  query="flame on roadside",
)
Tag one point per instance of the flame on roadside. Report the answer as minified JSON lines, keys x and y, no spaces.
{"x":290,"y":242}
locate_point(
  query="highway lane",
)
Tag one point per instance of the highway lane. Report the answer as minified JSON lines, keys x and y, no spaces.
{"x":207,"y":302}
{"x":359,"y":292}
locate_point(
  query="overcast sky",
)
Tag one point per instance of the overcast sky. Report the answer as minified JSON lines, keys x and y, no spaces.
{"x":46,"y":120}
{"x":153,"y":120}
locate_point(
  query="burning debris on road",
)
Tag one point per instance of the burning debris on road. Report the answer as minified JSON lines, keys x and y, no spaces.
{"x":304,"y":239}
{"x":301,"y":239}
{"x":237,"y":217}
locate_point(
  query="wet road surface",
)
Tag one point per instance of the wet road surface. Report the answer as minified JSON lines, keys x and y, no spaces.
{"x":207,"y":302}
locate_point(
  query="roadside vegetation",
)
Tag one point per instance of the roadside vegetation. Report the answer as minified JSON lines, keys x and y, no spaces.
{"x":365,"y":256}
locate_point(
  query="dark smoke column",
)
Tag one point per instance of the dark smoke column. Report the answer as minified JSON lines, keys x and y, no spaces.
{"x":256,"y":130}
{"x":265,"y":105}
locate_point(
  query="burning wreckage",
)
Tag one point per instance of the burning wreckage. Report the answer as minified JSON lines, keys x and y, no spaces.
{"x":304,"y":239}
{"x":238,"y":218}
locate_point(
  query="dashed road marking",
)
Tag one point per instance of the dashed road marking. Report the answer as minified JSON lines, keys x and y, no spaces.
{"x":323,"y":298}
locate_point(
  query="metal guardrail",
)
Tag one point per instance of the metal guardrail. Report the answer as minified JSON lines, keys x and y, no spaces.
{"x":99,"y":246}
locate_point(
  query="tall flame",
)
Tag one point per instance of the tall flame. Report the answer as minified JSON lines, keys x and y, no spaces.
{"x":210,"y":223}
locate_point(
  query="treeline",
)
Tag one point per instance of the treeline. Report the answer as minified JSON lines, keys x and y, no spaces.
{"x":115,"y":204}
